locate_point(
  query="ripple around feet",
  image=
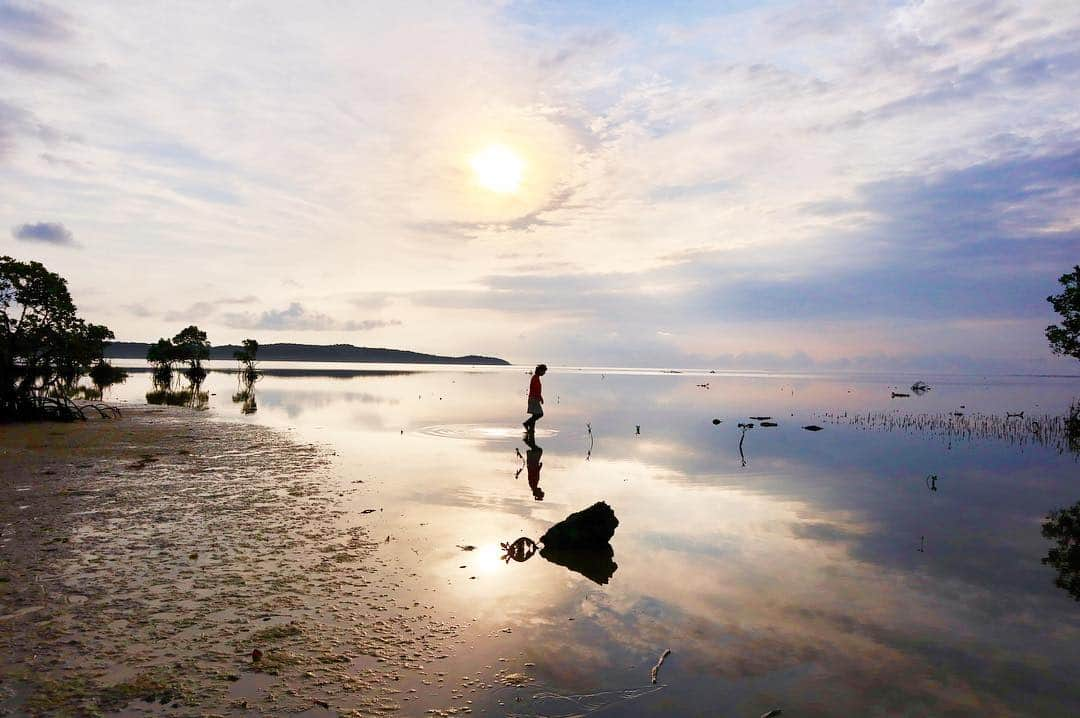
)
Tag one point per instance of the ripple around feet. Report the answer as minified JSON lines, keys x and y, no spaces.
{"x":484,"y":432}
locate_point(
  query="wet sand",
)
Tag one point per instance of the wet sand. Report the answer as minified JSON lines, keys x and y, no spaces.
{"x":169,"y":563}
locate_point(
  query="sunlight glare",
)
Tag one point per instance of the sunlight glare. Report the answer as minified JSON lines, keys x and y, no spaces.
{"x":498,"y":169}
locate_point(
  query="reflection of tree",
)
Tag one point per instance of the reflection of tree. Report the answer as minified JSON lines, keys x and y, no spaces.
{"x":1063,"y":526}
{"x":104,"y":375}
{"x":1072,"y":427}
{"x":245,"y":391}
{"x":191,"y":395}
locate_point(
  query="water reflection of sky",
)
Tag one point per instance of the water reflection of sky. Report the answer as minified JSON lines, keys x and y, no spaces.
{"x":823,"y":577}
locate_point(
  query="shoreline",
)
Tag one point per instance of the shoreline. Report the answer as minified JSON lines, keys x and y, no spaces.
{"x":170,"y":560}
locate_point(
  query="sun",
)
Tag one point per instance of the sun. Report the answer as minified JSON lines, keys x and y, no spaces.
{"x":498,"y":169}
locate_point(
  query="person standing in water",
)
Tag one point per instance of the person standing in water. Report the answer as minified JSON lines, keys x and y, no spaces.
{"x":536,"y":398}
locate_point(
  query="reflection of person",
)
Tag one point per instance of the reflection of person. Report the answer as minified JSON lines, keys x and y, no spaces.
{"x":533,"y":464}
{"x":536,"y":398}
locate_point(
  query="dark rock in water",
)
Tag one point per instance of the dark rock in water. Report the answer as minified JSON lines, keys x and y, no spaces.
{"x":898,"y":395}
{"x":715,"y":422}
{"x":768,"y":423}
{"x":590,"y":528}
{"x":595,"y":564}
{"x":812,"y":427}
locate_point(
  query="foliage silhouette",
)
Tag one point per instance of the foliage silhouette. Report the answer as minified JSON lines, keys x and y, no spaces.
{"x":1065,"y":339}
{"x":246,"y":356}
{"x":162,"y":354}
{"x":1063,"y":526}
{"x":45,"y":347}
{"x":192,"y":347}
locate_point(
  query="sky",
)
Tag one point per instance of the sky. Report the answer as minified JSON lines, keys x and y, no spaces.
{"x":761,"y":185}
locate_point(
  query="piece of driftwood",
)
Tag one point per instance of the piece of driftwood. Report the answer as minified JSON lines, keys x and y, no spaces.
{"x":656,"y":669}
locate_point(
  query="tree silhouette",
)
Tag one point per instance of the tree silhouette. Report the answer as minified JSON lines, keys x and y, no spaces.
{"x":192,"y":347}
{"x":246,"y":356}
{"x":45,"y":347}
{"x":1065,"y":339}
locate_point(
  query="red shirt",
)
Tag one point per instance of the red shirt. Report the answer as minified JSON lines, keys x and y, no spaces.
{"x":534,"y":387}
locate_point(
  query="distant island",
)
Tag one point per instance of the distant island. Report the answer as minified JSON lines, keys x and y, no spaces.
{"x":315,"y":352}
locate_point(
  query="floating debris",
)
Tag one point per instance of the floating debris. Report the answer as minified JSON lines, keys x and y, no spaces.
{"x":899,"y":395}
{"x":761,"y":418}
{"x":656,"y":669}
{"x":813,"y":427}
{"x":768,"y":423}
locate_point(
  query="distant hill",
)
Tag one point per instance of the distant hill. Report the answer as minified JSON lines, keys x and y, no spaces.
{"x":315,"y":352}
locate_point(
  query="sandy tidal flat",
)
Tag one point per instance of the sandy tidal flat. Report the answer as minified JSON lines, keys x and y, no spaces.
{"x":169,"y":563}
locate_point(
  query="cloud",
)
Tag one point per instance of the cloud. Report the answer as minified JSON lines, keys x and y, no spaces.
{"x":138,"y":310}
{"x":296,"y":318}
{"x":752,"y":180}
{"x":30,"y":39}
{"x":34,"y":62}
{"x":16,"y":121}
{"x":37,"y":21}
{"x":47,"y":232}
{"x":199,"y":311}
{"x":558,"y":200}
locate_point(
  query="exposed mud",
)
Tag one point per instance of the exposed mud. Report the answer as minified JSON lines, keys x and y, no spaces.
{"x":169,"y":563}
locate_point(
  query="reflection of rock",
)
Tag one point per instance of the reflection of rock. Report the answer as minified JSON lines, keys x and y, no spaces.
{"x":595,"y":564}
{"x":590,"y":528}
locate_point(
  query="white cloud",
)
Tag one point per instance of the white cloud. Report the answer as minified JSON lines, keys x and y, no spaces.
{"x":327,"y":151}
{"x":296,"y":318}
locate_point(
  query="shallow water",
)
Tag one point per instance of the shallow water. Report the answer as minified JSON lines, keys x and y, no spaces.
{"x":883,"y":565}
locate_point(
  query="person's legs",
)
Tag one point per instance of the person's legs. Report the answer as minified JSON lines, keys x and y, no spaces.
{"x":530,"y":423}
{"x":535,"y":412}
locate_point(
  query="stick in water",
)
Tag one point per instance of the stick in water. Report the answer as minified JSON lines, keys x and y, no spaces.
{"x":656,"y":668}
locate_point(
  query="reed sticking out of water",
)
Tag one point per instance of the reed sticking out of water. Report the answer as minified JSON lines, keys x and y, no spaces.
{"x":1056,"y":432}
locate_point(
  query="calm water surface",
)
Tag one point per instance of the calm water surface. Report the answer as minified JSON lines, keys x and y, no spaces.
{"x":825,"y":573}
